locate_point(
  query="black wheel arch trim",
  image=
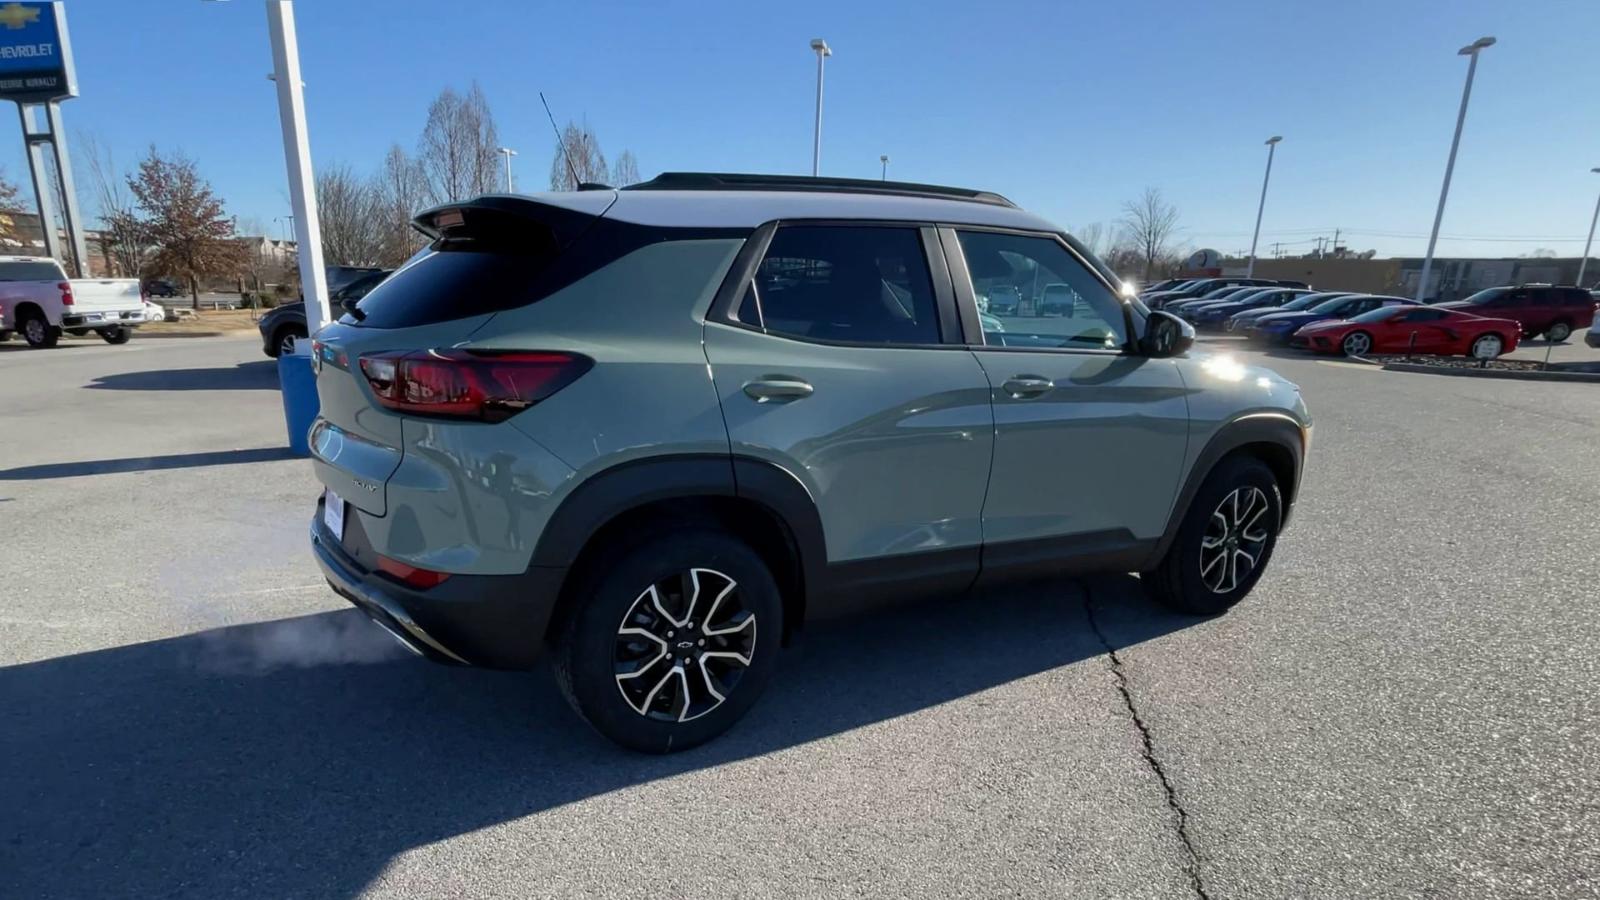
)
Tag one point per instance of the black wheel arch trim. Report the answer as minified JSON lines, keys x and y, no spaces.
{"x":1276,"y":428}
{"x":626,"y":486}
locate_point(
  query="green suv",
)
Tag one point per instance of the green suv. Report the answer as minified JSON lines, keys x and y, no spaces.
{"x":656,"y":430}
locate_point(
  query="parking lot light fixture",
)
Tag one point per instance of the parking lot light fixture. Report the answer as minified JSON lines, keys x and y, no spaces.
{"x":1584,"y":263}
{"x":507,"y":152}
{"x":823,"y":51}
{"x":1471,"y":50}
{"x":1272,"y":146}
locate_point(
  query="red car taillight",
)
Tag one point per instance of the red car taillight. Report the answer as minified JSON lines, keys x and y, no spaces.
{"x":411,"y":576}
{"x":487,"y":386}
{"x":65,"y":288}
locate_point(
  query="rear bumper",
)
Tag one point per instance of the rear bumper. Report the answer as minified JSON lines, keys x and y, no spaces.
{"x":128,"y":318}
{"x":493,"y":621}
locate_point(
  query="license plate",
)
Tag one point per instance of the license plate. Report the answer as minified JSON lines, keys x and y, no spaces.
{"x":333,"y":513}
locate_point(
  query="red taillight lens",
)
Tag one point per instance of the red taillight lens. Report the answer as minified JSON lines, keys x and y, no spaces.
{"x":488,"y":386}
{"x":66,"y":292}
{"x":411,"y":576}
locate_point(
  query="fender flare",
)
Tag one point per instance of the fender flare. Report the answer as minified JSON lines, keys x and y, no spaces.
{"x":1276,"y":428}
{"x":614,"y":491}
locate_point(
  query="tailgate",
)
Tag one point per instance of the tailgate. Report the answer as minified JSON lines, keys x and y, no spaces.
{"x":355,"y":443}
{"x":105,"y":294}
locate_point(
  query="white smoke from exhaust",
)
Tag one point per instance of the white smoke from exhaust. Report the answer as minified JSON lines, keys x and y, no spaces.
{"x":325,"y":639}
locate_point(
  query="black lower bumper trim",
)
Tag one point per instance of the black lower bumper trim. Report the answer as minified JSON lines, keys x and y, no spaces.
{"x":493,"y":621}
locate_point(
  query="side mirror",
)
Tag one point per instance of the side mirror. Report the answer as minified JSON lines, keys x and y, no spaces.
{"x":1165,"y":335}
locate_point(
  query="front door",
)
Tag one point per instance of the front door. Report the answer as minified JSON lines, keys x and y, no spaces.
{"x":842,"y":366}
{"x":1089,"y":440}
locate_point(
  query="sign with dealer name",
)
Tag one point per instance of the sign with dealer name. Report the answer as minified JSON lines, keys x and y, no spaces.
{"x":35,"y":55}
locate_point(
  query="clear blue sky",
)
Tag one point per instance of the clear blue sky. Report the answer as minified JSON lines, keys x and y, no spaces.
{"x":1069,"y":108}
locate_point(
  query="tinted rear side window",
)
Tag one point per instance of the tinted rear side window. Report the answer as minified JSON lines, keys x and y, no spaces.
{"x":30,"y":271}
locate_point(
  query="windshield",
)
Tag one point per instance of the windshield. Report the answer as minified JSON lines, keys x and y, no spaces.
{"x":1379,"y":314}
{"x":1485,"y":296}
{"x":1308,"y":301}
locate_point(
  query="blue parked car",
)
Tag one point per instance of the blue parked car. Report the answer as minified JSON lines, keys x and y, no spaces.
{"x":1212,"y":315}
{"x":1277,"y":328}
{"x":1239,"y":320}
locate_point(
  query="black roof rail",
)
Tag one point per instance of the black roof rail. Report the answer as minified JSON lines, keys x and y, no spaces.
{"x":729,"y":181}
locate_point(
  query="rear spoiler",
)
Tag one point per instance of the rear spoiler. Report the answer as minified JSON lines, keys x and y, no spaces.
{"x":501,"y":217}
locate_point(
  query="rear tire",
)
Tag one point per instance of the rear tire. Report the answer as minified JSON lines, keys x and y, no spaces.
{"x":1558,"y":332}
{"x":684,"y":625}
{"x":38,"y":331}
{"x":283,"y":340}
{"x":1216,"y":533}
{"x":118,"y":335}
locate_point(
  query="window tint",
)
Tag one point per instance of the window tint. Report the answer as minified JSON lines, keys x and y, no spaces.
{"x":836,"y":283}
{"x":30,"y":271}
{"x":1062,"y":303}
{"x":1425,"y":315}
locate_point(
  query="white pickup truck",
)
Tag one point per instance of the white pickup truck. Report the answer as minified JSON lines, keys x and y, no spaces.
{"x":39,"y":301}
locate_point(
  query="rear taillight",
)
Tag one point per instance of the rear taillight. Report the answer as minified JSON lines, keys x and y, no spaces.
{"x":411,"y":576}
{"x":483,"y":385}
{"x":66,"y":292}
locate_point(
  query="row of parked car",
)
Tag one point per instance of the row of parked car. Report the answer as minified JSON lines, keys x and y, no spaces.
{"x":1286,"y":313}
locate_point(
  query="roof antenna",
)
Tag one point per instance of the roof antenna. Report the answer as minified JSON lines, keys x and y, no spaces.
{"x":573,"y":170}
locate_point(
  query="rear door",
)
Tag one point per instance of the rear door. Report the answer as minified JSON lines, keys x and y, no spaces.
{"x":1089,"y":440}
{"x":841,"y":363}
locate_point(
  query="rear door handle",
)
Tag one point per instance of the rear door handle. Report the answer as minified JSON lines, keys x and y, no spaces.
{"x":777,"y":389}
{"x":1024,"y":386}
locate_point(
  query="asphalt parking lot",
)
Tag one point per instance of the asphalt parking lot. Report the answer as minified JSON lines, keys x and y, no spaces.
{"x":1408,"y":705}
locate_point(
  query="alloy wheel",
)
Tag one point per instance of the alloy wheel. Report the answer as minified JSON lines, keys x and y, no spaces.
{"x":1558,"y":332}
{"x":1357,"y":344}
{"x":683,"y":646}
{"x":1486,"y":347}
{"x":1234,"y":540}
{"x":34,"y":330}
{"x":286,"y":344}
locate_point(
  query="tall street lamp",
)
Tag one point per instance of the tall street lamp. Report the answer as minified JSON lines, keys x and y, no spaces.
{"x":1272,"y":147}
{"x":884,"y":176}
{"x":823,"y":52}
{"x":507,"y":152}
{"x":1596,"y":218}
{"x":1472,"y":51}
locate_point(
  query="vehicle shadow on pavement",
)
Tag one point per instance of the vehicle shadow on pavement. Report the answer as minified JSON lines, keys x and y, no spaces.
{"x":147,"y":463}
{"x":260,"y":375}
{"x":212,"y":765}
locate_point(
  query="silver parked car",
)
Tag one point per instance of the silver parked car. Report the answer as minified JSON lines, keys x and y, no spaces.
{"x":654,"y":431}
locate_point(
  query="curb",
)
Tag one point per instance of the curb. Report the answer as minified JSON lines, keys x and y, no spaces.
{"x":1588,"y":377}
{"x":184,"y":334}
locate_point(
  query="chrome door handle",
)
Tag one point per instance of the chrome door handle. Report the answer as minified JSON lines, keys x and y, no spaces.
{"x":1024,"y":386}
{"x":777,"y":389}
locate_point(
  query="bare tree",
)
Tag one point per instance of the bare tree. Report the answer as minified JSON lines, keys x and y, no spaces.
{"x":1095,"y":236}
{"x":122,"y":236}
{"x":1150,"y":223}
{"x":578,"y":159}
{"x":400,"y":192}
{"x":457,"y":150}
{"x":352,"y":222}
{"x":625,"y":170}
{"x":185,"y":222}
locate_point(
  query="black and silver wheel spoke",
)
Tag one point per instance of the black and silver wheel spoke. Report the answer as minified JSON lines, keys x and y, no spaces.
{"x":1234,"y":539}
{"x":683,"y":645}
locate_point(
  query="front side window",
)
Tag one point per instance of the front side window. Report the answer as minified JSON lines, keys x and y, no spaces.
{"x":1379,"y":315}
{"x":860,"y":284}
{"x":1061,"y":303}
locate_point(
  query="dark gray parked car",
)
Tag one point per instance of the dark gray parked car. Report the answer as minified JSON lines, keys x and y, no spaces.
{"x":654,"y":431}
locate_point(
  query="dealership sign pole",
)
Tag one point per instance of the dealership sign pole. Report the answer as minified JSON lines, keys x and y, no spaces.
{"x":36,"y":71}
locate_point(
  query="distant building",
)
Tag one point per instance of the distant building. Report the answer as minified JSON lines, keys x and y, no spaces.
{"x":1449,"y":279}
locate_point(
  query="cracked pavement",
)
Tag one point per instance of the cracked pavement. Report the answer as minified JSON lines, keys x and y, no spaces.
{"x":1408,"y":705}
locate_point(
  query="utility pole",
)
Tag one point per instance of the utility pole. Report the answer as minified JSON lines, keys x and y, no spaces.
{"x":1336,"y":243}
{"x":1471,"y":50}
{"x":1272,"y":147}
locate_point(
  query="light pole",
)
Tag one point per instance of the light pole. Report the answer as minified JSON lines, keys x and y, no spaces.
{"x":885,"y":160}
{"x":823,"y":52}
{"x":1272,"y":147}
{"x":1585,"y":263}
{"x":507,"y":152}
{"x":1471,"y":50}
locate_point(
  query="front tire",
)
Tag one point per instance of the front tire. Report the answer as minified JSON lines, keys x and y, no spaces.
{"x":1486,"y":346}
{"x":118,"y":335}
{"x":672,"y":642}
{"x":1356,"y":343}
{"x":1224,"y":543}
{"x":283,"y":341}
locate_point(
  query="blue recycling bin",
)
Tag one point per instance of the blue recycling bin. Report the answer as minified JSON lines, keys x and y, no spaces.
{"x":298,"y":385}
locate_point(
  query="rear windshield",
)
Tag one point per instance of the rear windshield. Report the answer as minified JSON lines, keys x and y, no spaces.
{"x":30,"y":271}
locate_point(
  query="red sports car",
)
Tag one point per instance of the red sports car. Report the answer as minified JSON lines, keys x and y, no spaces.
{"x":1412,"y":329}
